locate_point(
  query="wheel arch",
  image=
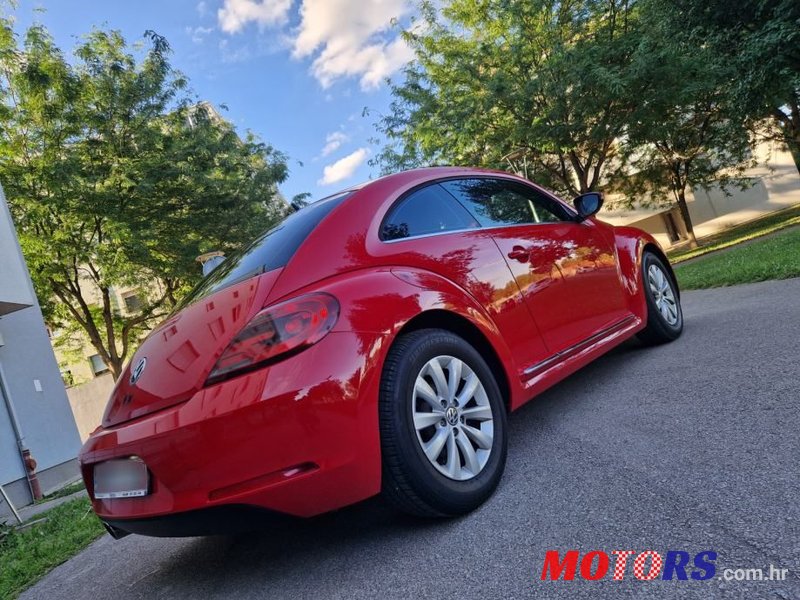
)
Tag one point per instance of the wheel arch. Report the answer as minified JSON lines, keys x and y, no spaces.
{"x":654,"y":248}
{"x":438,"y":318}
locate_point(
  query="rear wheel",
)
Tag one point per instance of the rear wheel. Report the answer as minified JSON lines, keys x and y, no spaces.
{"x":664,"y":313}
{"x":443,"y":427}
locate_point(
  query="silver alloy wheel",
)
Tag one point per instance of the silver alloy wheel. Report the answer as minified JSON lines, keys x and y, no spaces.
{"x":663,"y":295}
{"x":452,"y":417}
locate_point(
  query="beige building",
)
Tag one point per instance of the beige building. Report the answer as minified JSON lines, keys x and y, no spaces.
{"x":77,"y":358}
{"x":775,"y":186}
{"x":85,"y":375}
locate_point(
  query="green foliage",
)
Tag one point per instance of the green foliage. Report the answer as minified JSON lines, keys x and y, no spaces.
{"x":760,"y":42}
{"x":116,"y":179}
{"x":531,"y":83}
{"x":578,"y":95}
{"x":27,"y":555}
{"x":683,"y":133}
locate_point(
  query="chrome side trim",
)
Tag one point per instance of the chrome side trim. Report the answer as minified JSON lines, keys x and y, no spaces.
{"x":539,"y":367}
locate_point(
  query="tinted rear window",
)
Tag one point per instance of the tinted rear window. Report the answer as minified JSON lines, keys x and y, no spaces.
{"x":270,"y":251}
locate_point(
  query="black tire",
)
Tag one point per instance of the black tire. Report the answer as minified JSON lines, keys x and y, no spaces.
{"x":410,"y":481}
{"x":659,"y":329}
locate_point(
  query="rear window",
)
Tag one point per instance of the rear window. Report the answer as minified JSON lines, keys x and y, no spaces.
{"x":270,"y":251}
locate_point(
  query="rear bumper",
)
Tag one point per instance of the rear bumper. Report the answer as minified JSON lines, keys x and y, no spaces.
{"x":298,"y":438}
{"x":217,"y":520}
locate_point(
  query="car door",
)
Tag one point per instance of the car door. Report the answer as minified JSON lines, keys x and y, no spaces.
{"x":566,"y":270}
{"x":429,"y":229}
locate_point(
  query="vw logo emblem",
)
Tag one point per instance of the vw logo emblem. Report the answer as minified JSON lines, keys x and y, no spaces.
{"x":137,"y":371}
{"x":451,"y":414}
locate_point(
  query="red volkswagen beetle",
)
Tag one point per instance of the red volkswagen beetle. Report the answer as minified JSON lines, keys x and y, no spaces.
{"x":373,"y":341}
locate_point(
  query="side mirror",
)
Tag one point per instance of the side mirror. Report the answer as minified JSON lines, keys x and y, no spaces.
{"x":588,"y":204}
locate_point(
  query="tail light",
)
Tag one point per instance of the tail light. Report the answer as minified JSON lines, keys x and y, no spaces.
{"x":277,"y":332}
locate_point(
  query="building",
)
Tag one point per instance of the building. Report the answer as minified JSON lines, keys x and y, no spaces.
{"x":775,"y":185}
{"x":35,"y":416}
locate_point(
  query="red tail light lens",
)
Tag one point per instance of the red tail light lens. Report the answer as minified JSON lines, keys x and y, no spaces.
{"x":277,"y":332}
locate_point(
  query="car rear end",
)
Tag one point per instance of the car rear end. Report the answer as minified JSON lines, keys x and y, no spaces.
{"x":237,"y":403}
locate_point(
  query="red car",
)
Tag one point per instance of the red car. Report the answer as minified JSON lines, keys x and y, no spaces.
{"x":373,"y":341}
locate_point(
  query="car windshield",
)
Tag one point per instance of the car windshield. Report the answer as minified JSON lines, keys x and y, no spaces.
{"x":271,"y":250}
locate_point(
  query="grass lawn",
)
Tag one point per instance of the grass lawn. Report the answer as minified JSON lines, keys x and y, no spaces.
{"x":741,"y":233}
{"x":27,"y":555}
{"x":776,"y":257}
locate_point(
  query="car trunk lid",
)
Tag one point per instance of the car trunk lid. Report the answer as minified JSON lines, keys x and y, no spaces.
{"x":173,"y":362}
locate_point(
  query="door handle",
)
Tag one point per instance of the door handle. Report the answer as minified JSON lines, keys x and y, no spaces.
{"x":519,"y":253}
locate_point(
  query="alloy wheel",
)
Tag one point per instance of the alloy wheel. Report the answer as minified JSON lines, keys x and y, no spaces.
{"x":663,"y":294}
{"x":452,"y":417}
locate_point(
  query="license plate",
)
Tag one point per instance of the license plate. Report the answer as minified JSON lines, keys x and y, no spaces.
{"x":121,"y":478}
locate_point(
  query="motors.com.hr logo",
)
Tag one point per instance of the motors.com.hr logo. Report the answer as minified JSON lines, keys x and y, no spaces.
{"x":646,"y":566}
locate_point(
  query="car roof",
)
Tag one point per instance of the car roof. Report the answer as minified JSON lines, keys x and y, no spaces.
{"x":433,"y":173}
{"x":341,"y":242}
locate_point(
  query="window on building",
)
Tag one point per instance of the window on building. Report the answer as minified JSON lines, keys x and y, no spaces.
{"x":132,"y":302}
{"x":98,"y":366}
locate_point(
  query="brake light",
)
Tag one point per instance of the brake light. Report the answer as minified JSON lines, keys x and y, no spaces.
{"x":277,"y":332}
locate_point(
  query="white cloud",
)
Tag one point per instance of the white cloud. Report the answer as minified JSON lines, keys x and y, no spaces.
{"x":333,"y":141}
{"x":342,"y":38}
{"x":198,"y":33}
{"x":343,"y":168}
{"x":202,"y":8}
{"x":234,"y":55}
{"x":352,"y":38}
{"x":236,"y":14}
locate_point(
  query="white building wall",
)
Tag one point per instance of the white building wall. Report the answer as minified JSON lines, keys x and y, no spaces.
{"x":31,"y":377}
{"x":15,"y":290}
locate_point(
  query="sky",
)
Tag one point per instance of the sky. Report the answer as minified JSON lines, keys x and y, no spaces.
{"x":297,"y":73}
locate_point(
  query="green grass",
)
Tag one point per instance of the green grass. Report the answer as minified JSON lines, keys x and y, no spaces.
{"x":777,"y":257}
{"x":26,"y":555}
{"x":740,"y":233}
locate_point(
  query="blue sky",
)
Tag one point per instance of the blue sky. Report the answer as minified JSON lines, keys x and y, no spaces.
{"x":298,"y":73}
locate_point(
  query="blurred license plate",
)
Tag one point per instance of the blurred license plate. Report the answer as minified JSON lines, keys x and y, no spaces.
{"x":121,"y":478}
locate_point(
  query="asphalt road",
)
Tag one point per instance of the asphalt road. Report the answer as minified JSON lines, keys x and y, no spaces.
{"x":691,"y":446}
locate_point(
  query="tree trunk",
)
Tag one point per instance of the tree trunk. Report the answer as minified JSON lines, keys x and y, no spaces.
{"x":794,"y":150}
{"x":687,"y":219}
{"x":115,"y":367}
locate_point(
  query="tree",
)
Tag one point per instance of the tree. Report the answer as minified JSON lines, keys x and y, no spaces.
{"x":682,"y":134}
{"x":111,"y":183}
{"x":542,"y":82}
{"x":580,"y":94}
{"x":760,"y":41}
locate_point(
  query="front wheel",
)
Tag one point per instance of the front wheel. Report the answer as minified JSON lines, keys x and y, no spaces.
{"x":664,"y":313}
{"x":443,"y":426}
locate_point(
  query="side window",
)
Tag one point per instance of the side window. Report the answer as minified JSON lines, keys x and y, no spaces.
{"x":428,"y":210}
{"x":499,"y":202}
